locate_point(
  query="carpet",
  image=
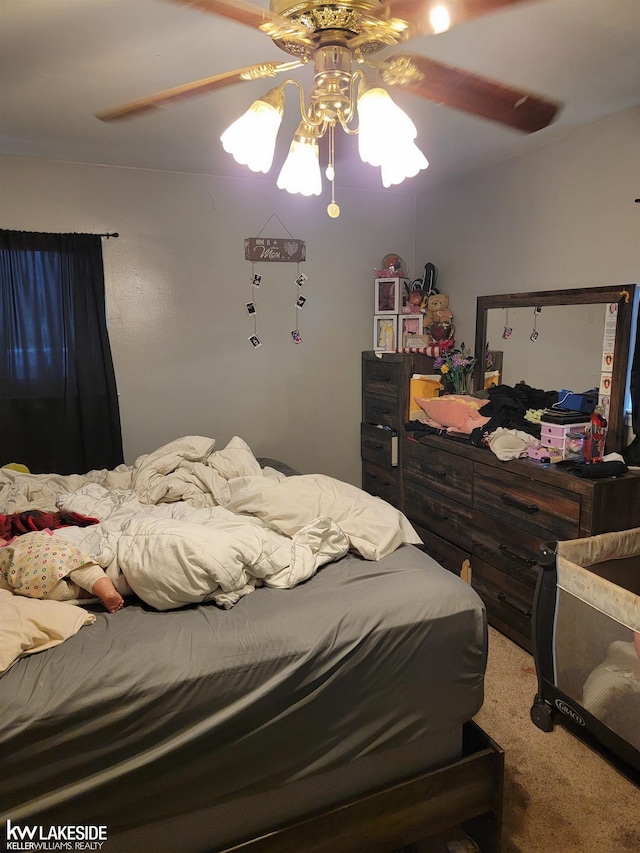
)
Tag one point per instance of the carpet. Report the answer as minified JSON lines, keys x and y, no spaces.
{"x":560,"y":795}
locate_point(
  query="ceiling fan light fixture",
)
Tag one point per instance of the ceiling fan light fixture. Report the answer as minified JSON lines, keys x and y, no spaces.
{"x":384,"y":129}
{"x":301,"y":170}
{"x":251,"y":139}
{"x":332,"y":35}
{"x":407,"y":161}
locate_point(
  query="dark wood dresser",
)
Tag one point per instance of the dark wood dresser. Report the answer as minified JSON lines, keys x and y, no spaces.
{"x":468,"y":505}
{"x":385,"y":409}
{"x":473,"y":510}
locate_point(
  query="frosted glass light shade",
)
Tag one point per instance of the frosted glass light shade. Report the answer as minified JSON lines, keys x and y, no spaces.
{"x":251,"y":140}
{"x":405,"y":163}
{"x":385,"y":137}
{"x":383,"y":127}
{"x":301,"y":170}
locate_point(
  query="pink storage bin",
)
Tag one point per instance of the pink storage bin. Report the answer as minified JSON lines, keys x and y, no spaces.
{"x":555,"y":435}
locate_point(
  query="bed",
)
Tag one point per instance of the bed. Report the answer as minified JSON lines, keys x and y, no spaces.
{"x":329,"y":711}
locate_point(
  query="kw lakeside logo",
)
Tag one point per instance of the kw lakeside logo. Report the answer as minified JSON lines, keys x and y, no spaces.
{"x":48,"y":838}
{"x":570,"y":712}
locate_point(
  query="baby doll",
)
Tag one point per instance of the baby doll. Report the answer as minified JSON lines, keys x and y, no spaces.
{"x":416,"y":301}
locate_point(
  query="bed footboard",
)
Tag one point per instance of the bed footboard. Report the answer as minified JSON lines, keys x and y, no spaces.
{"x":468,"y":791}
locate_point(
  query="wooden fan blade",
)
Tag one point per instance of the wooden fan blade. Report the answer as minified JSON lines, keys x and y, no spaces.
{"x":413,"y":16}
{"x":249,"y":14}
{"x":465,"y":91}
{"x":198,"y":87}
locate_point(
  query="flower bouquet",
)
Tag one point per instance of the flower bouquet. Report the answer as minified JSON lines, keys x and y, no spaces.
{"x":456,"y":368}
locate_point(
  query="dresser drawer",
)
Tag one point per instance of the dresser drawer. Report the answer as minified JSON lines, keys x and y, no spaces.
{"x":438,"y":471}
{"x":449,"y":556}
{"x":381,"y":378}
{"x":381,"y":482}
{"x":512,"y":550}
{"x":540,"y":508}
{"x":380,"y":410}
{"x":449,"y":519}
{"x":509,"y":603}
{"x":378,"y":445}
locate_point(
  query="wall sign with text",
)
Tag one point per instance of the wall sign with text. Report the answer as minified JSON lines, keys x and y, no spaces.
{"x":280,"y":249}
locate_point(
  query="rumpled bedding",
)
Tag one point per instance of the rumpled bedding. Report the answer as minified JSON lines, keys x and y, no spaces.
{"x":189,"y":523}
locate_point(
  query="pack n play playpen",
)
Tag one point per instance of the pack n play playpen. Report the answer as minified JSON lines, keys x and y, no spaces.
{"x":586,"y":637}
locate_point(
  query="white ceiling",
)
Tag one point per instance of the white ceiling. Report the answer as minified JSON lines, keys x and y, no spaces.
{"x":61,"y":61}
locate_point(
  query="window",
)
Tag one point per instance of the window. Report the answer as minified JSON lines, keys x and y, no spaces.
{"x":59,"y":406}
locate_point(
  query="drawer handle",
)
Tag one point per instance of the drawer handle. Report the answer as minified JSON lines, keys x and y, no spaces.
{"x":382,"y":411}
{"x":518,"y":557}
{"x":503,"y":598}
{"x":374,"y":445}
{"x":530,"y":508}
{"x":380,"y":378}
{"x":429,"y":470}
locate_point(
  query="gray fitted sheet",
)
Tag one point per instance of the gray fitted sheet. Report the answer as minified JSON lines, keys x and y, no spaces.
{"x":147,"y":714}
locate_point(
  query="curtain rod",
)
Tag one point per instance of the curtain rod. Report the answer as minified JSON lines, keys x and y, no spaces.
{"x":113,"y":234}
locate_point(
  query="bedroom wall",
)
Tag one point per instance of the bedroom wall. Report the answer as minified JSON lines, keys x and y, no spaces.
{"x":558,"y":216}
{"x":177,"y":283}
{"x":561,"y":215}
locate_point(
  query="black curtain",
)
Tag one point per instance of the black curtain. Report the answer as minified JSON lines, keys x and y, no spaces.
{"x":58,"y":400}
{"x":635,"y":380}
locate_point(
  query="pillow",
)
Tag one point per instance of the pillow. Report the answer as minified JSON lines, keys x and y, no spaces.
{"x":28,"y":625}
{"x":455,"y":412}
{"x":374,"y":527}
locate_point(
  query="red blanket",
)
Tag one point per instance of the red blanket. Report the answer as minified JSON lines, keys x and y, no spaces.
{"x":35,"y":519}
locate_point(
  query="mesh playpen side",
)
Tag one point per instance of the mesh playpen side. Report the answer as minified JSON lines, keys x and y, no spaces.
{"x":586,"y":640}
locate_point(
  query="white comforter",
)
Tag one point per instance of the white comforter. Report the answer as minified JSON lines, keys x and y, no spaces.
{"x":187,"y":523}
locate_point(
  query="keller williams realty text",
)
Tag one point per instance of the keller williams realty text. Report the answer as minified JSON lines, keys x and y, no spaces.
{"x":55,"y":837}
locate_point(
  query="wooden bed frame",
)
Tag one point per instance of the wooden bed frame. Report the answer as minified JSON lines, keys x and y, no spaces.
{"x":468,"y":792}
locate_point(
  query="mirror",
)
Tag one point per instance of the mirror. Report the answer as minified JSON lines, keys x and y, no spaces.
{"x":574,"y":339}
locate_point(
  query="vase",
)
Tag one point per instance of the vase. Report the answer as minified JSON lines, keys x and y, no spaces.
{"x":466,"y":382}
{"x":458,"y":382}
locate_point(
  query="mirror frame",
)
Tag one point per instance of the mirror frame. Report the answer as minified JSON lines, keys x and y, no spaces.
{"x":622,"y":294}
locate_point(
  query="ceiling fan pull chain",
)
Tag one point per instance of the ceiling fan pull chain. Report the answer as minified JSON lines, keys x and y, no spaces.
{"x":332,"y":209}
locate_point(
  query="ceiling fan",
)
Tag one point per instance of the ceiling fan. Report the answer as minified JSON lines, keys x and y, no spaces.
{"x":341,"y":34}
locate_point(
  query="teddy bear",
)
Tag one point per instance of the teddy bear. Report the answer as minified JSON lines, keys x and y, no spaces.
{"x":438,"y":317}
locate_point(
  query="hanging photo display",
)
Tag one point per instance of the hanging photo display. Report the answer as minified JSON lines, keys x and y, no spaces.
{"x":260,"y":250}
{"x":535,"y":334}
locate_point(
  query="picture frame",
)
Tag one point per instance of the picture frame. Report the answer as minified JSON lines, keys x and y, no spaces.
{"x":411,"y":326}
{"x":387,"y":295}
{"x":385,"y":332}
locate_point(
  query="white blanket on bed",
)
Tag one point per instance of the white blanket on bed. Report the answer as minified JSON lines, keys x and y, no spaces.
{"x":188,"y":523}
